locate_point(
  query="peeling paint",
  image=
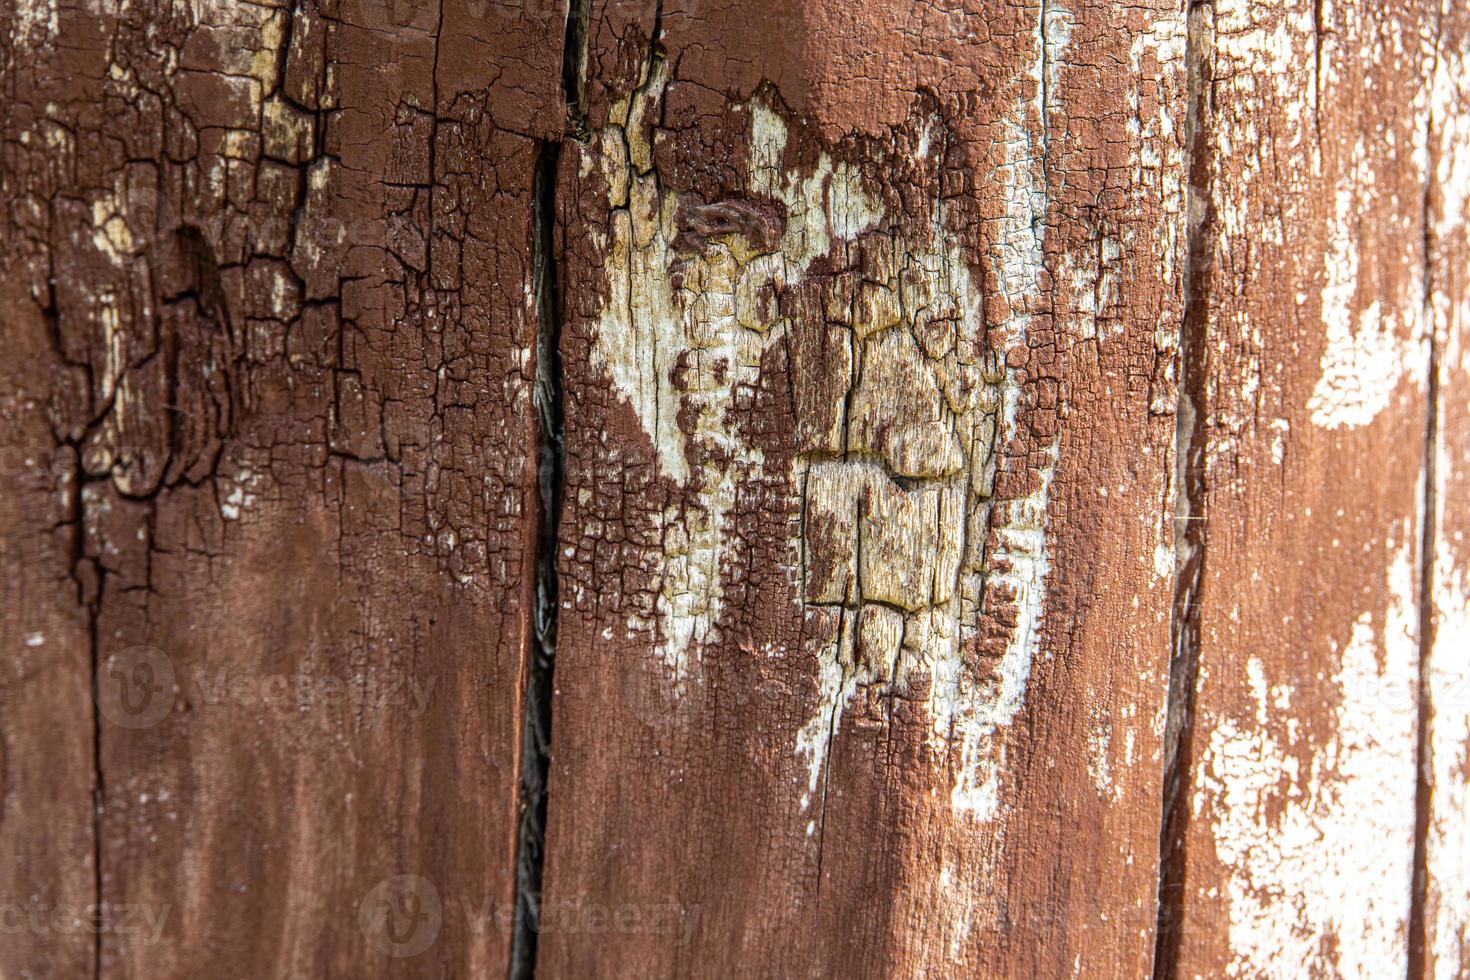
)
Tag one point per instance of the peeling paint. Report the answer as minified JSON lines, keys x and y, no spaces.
{"x":1318,"y":853}
{"x":895,"y":528}
{"x":1365,"y":358}
{"x":36,"y":22}
{"x":1449,"y":729}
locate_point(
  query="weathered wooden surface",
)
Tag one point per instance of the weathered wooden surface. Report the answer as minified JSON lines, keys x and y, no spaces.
{"x":47,"y":825}
{"x":862,"y":653}
{"x":1444,"y":930}
{"x":1292,"y":822}
{"x":269,"y":300}
{"x":992,"y":501}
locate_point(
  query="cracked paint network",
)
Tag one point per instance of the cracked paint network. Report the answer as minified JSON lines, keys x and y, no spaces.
{"x":929,"y":577}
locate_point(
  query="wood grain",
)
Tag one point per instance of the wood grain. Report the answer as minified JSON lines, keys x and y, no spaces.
{"x":863,"y":645}
{"x":1444,"y":935}
{"x":278,"y":280}
{"x":990,"y":479}
{"x":47,"y":827}
{"x":1291,"y":847}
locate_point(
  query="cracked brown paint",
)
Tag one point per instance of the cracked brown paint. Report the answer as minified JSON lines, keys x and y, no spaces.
{"x":268,"y":268}
{"x":992,"y":443}
{"x":846,"y":418}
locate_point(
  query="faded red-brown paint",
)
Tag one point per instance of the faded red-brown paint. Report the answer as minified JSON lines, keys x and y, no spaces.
{"x":993,"y":494}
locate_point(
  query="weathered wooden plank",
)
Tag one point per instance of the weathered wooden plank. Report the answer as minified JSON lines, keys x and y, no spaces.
{"x":1292,"y":827}
{"x":1445,"y":937}
{"x":862,"y":648}
{"x":290,"y":256}
{"x":868,"y":558}
{"x":47,"y":875}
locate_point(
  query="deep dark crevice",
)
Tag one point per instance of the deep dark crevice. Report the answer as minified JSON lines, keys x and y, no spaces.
{"x":536,"y":736}
{"x":1418,"y":963}
{"x":551,"y":465}
{"x":1190,"y":517}
{"x":574,"y":65}
{"x":656,"y":43}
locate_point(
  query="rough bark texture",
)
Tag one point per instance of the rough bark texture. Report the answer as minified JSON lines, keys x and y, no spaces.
{"x":991,"y":479}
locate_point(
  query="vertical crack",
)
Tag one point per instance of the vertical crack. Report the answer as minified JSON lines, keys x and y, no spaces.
{"x":1190,"y":525}
{"x":550,"y":475}
{"x":90,"y":579}
{"x":1423,"y":787}
{"x":1417,"y":966}
{"x":536,"y":737}
{"x":574,"y":66}
{"x":536,"y":741}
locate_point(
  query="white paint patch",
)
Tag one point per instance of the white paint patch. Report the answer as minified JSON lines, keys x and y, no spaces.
{"x":1163,"y":562}
{"x":1448,"y":95}
{"x":831,"y":205}
{"x":644,"y":329}
{"x":110,"y":232}
{"x":668,"y":309}
{"x":670,"y":347}
{"x":960,"y":705}
{"x":640,"y":332}
{"x":1099,"y":749}
{"x":1057,"y":31}
{"x":239,"y":496}
{"x":1319,"y":854}
{"x":1258,"y":51}
{"x":957,"y":897}
{"x":1365,"y":358}
{"x":836,"y":682}
{"x":36,"y":23}
{"x":969,"y":711}
{"x":1157,"y":71}
{"x":1449,"y":746}
{"x":1448,"y":906}
{"x":114,"y":358}
{"x":1280,"y":433}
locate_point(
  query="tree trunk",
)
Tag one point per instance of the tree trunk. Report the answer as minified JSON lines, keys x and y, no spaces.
{"x":670,"y":488}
